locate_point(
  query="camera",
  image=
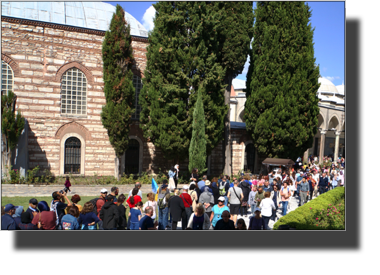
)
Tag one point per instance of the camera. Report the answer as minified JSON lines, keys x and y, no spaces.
{"x":61,"y":192}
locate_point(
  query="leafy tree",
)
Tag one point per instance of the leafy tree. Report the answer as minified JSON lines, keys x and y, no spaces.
{"x":118,"y":85}
{"x":197,"y":150}
{"x":282,"y":105}
{"x":181,"y":61}
{"x":11,"y":126}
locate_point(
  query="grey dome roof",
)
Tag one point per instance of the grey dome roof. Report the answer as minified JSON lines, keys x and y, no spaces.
{"x":90,"y":15}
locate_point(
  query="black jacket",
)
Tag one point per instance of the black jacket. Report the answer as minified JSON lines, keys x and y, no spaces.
{"x":246,"y":189}
{"x":122,"y":217}
{"x":109,"y":215}
{"x":215,"y":192}
{"x":176,"y":207}
{"x":323,"y":182}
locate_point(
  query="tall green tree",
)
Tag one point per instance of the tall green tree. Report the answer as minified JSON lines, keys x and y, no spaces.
{"x":282,"y":105}
{"x":234,"y":46}
{"x":182,"y":60}
{"x":197,"y":150}
{"x":12,"y":126}
{"x":118,"y":86}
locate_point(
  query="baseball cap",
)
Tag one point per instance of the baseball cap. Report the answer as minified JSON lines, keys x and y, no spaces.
{"x":221,"y":198}
{"x":103,"y":190}
{"x":185,"y":187}
{"x":9,"y":207}
{"x":164,"y":186}
{"x":301,"y":173}
{"x":258,"y":209}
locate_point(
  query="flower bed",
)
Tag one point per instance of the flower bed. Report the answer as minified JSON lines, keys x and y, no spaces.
{"x":326,"y":212}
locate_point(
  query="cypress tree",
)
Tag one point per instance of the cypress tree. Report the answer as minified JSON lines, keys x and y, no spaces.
{"x":234,"y":46}
{"x":12,"y":125}
{"x":118,"y":86}
{"x":282,"y":105}
{"x":197,"y":150}
{"x":182,"y":60}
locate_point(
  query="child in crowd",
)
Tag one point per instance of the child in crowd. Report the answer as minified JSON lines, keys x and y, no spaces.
{"x":67,"y":185}
{"x":135,"y":216}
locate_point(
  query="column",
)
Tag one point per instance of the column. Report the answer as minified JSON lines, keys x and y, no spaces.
{"x":336,"y":152}
{"x":305,"y":156}
{"x":322,"y":147}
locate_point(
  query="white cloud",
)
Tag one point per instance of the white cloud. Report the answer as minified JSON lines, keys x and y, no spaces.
{"x":332,"y":78}
{"x":147,"y":19}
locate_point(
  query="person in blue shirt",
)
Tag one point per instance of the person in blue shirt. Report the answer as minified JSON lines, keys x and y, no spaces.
{"x":7,"y":222}
{"x":69,"y":221}
{"x":202,"y":183}
{"x":135,"y":216}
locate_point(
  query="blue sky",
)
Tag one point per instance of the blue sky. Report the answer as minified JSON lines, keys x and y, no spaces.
{"x":328,"y":18}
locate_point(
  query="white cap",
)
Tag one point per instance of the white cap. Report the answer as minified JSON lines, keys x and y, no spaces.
{"x":185,"y":187}
{"x":221,"y":198}
{"x":103,"y":190}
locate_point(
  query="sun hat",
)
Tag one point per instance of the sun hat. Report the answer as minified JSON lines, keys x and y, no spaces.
{"x":207,"y":182}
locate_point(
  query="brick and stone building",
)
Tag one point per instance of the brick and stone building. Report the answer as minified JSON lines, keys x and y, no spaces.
{"x":51,"y":59}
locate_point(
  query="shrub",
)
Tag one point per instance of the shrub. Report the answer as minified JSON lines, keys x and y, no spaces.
{"x":304,"y":217}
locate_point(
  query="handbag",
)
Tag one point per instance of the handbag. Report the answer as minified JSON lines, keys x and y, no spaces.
{"x":39,"y":221}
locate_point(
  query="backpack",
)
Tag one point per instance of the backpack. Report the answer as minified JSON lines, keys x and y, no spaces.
{"x":94,"y":209}
{"x":222,"y":189}
{"x":161,"y":200}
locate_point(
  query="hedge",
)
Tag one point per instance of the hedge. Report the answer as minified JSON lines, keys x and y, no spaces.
{"x":304,"y":216}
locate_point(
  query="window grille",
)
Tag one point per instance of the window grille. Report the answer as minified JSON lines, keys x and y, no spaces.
{"x":6,"y":78}
{"x":74,"y":92}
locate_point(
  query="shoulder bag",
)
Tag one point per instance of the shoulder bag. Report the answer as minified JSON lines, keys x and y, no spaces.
{"x":242,"y":203}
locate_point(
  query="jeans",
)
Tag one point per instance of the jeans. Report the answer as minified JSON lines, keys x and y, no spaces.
{"x":162,"y":218}
{"x":266,"y":222}
{"x":225,"y":200}
{"x":186,"y":216}
{"x":253,"y":206}
{"x":322,"y":189}
{"x":100,"y":225}
{"x":243,"y":210}
{"x":274,"y":214}
{"x":284,"y":207}
{"x":298,"y":189}
{"x":333,"y":186}
{"x":134,"y":225}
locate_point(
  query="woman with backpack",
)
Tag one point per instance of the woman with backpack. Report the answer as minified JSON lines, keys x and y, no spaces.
{"x":194,"y":196}
{"x":87,"y":218}
{"x":285,"y":195}
{"x":223,"y":189}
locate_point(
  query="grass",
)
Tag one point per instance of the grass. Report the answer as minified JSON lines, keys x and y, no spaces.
{"x":24,"y":201}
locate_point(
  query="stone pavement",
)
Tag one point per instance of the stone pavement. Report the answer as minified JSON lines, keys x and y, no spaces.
{"x":25,"y":190}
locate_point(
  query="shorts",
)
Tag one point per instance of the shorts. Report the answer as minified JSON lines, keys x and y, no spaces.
{"x":234,"y":209}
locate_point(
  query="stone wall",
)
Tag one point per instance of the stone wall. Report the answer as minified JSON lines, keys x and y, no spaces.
{"x":39,"y":55}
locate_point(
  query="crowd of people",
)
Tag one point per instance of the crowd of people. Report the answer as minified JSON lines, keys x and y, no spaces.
{"x":201,"y":205}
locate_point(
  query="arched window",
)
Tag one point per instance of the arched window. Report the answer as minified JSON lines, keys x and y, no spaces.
{"x":74,"y":92}
{"x":72,"y":156}
{"x":6,"y":78}
{"x":137,"y":83}
{"x":132,"y":156}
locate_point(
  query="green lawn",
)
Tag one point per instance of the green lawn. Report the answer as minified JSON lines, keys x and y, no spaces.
{"x":24,"y":201}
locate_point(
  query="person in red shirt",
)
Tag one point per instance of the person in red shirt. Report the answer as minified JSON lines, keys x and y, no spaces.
{"x":132,"y":201}
{"x":99,"y":204}
{"x":188,"y":202}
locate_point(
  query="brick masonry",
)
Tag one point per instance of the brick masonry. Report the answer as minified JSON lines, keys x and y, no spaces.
{"x":39,"y":54}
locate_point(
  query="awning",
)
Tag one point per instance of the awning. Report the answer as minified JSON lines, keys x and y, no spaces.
{"x":276,"y":161}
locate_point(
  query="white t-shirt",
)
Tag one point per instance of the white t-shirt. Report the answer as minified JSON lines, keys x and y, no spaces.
{"x":267,"y":205}
{"x":316,"y":177}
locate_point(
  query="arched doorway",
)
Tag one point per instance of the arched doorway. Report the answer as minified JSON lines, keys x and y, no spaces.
{"x":249,"y":159}
{"x":72,"y":156}
{"x":132,"y":157}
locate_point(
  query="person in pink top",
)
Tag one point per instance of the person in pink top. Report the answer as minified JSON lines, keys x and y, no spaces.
{"x":285,"y":195}
{"x":67,"y":185}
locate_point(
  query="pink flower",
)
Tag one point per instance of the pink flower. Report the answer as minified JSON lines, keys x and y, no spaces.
{"x":316,"y":218}
{"x":330,"y":204}
{"x":327,"y":214}
{"x":317,"y":224}
{"x":310,"y":207}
